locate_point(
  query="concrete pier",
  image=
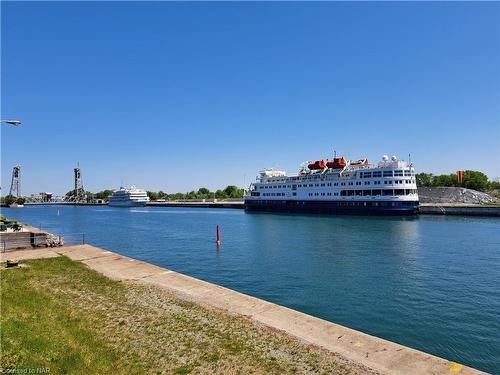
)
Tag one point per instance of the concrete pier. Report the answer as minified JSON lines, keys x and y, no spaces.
{"x":200,"y":204}
{"x":425,"y":208}
{"x":459,"y":209}
{"x":375,"y":353}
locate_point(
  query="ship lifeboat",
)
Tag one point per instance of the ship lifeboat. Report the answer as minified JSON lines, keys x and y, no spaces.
{"x":336,"y":163}
{"x":360,"y":162}
{"x":318,"y":164}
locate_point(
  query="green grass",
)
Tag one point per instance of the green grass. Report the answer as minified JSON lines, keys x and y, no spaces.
{"x":40,"y":330}
{"x":60,"y":315}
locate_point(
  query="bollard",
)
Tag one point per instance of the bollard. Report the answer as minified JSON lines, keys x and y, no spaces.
{"x":217,"y":241}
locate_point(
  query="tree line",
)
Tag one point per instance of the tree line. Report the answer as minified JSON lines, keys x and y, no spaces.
{"x":471,"y":180}
{"x":10,"y":199}
{"x":230,"y":191}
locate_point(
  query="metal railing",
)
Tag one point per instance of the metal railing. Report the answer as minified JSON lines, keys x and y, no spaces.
{"x":29,"y":240}
{"x":74,"y":238}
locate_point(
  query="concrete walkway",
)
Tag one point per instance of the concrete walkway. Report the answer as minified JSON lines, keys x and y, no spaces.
{"x":378,"y":354}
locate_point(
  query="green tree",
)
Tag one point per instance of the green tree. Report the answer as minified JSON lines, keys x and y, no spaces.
{"x":103,"y":194}
{"x":220,"y":194}
{"x":72,"y":193}
{"x":204,"y":193}
{"x":424,"y":179}
{"x":9,"y":199}
{"x":152,"y":195}
{"x":191,"y":195}
{"x":232,"y":191}
{"x":472,"y":180}
{"x":495,"y":184}
{"x":162,"y":195}
{"x":475,"y":180}
{"x":176,"y":196}
{"x":444,"y":180}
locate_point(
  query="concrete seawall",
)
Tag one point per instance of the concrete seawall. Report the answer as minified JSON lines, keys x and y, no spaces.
{"x":29,"y":237}
{"x":425,"y":208}
{"x":63,"y":204}
{"x":226,"y":204}
{"x":455,"y":209}
{"x":375,"y":353}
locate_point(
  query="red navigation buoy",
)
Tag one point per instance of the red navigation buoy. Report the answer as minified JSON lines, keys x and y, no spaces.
{"x":217,"y":241}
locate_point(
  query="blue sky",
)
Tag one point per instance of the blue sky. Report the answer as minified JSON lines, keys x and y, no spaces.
{"x":176,"y":96}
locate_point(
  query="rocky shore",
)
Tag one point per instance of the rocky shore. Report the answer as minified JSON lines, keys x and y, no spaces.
{"x":454,"y":195}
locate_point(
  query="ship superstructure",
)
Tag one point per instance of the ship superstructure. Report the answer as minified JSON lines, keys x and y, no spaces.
{"x":128,"y":197}
{"x":338,"y":186}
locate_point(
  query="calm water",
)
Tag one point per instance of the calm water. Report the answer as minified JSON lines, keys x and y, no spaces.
{"x":429,"y":282}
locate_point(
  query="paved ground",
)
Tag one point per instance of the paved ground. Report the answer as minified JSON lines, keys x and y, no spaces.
{"x":378,"y":354}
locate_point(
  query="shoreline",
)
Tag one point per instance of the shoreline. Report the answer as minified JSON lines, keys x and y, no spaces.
{"x":365,"y":350}
{"x":459,"y":209}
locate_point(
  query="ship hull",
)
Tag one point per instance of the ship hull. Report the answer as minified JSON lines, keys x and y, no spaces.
{"x":130,"y":203}
{"x":382,"y":208}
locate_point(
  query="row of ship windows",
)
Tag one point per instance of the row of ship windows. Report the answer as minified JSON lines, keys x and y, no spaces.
{"x":386,"y":182}
{"x":350,"y":193}
{"x":395,"y":173}
{"x":345,"y":204}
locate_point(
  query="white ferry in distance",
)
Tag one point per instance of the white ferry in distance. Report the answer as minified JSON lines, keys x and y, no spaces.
{"x":128,"y":197}
{"x":338,"y":186}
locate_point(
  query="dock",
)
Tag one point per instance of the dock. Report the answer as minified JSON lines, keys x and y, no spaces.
{"x":459,"y":209}
{"x":425,"y":208}
{"x":199,"y":204}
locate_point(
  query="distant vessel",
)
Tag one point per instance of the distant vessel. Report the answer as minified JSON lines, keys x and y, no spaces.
{"x":128,"y":197}
{"x":338,"y":186}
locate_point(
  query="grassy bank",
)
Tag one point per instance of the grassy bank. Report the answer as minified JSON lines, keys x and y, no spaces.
{"x":60,"y":315}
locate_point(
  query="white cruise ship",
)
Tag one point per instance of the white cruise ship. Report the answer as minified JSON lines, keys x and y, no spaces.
{"x":128,"y":197}
{"x":338,"y":186}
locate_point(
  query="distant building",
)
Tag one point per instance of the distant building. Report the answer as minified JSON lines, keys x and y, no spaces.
{"x":46,"y":197}
{"x":42,"y":197}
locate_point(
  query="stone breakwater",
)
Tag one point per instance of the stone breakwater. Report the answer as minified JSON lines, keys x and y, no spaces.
{"x":439,"y":195}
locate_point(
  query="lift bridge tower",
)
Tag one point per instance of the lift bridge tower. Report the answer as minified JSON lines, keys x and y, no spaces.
{"x":78,"y":195}
{"x":15,"y":185}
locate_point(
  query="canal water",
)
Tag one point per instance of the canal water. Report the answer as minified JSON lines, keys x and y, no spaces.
{"x":428,"y":282}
